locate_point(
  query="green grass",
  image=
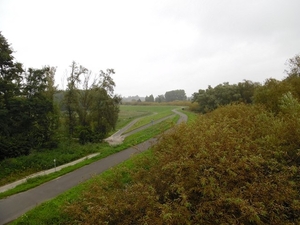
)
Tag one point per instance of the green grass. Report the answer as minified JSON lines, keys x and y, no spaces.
{"x":52,"y":212}
{"x":17,"y":168}
{"x":71,"y":151}
{"x":104,"y":149}
{"x":192,"y":116}
{"x":153,"y":112}
{"x":128,"y":113}
{"x":148,"y":119}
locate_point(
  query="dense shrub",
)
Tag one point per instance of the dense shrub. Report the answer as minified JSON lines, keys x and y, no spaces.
{"x":232,"y":166}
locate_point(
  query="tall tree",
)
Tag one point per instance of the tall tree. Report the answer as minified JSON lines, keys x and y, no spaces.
{"x":92,"y":110}
{"x":105,"y":104}
{"x":11,"y":141}
{"x":39,"y":91}
{"x":71,"y":96}
{"x":27,"y":116}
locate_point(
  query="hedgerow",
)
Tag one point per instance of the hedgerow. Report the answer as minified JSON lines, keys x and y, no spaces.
{"x":236,"y":165}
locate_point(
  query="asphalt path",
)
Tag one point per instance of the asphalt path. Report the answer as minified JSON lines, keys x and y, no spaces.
{"x":14,"y":206}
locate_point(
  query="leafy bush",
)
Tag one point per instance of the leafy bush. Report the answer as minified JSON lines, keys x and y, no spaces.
{"x":231,"y":166}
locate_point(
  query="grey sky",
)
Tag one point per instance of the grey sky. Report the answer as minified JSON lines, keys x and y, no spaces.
{"x":156,"y":46}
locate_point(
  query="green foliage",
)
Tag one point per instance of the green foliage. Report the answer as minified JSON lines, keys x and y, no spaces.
{"x":273,"y":92}
{"x":224,"y":94}
{"x":17,"y":168}
{"x":155,"y":116}
{"x":175,"y":95}
{"x":160,"y":98}
{"x":28,"y":118}
{"x":229,"y":167}
{"x":22,"y":166}
{"x":149,"y":99}
{"x":270,"y":93}
{"x":91,"y":112}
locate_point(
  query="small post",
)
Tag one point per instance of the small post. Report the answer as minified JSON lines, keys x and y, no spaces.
{"x":54,"y":164}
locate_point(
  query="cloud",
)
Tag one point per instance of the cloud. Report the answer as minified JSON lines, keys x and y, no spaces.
{"x":156,"y":46}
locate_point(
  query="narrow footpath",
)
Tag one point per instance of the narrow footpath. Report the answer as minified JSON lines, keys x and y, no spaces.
{"x":14,"y":206}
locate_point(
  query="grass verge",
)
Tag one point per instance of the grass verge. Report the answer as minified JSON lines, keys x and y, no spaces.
{"x":105,"y":151}
{"x":52,"y":211}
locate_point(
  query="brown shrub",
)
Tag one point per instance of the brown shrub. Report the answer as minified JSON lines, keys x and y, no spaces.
{"x":229,"y":167}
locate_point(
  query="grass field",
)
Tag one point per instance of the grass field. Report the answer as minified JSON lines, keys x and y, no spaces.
{"x":14,"y":169}
{"x":52,"y":212}
{"x":151,"y":112}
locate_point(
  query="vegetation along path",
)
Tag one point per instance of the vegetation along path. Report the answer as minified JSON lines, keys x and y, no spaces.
{"x":16,"y":205}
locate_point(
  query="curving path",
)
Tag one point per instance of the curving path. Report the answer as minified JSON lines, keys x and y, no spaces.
{"x":118,"y":137}
{"x":14,"y":206}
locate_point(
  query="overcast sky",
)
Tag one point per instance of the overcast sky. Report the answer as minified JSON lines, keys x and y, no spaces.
{"x":156,"y":46}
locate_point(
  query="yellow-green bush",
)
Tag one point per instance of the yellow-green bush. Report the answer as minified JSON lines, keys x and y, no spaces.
{"x":231,"y":166}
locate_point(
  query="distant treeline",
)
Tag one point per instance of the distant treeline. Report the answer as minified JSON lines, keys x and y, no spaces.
{"x":269,"y":94}
{"x":169,"y":96}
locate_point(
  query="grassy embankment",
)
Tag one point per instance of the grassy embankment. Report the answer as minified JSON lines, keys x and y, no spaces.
{"x":14,"y":169}
{"x":240,"y":167}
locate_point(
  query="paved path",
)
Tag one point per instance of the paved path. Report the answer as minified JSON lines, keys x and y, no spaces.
{"x":45,"y":172}
{"x":14,"y":206}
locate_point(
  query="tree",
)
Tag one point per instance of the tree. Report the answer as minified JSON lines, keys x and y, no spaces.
{"x":246,"y":90}
{"x":175,"y":95}
{"x":92,"y":111}
{"x":105,"y":107}
{"x":11,"y":103}
{"x":206,"y":100}
{"x":160,"y":98}
{"x":293,"y":78}
{"x":224,"y":94}
{"x":273,"y":90}
{"x":149,"y":99}
{"x":294,"y":66}
{"x":42,"y":114}
{"x":27,"y":115}
{"x":71,"y":96}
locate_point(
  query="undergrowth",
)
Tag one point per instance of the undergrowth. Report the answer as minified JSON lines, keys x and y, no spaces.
{"x":236,"y":165}
{"x":232,"y":166}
